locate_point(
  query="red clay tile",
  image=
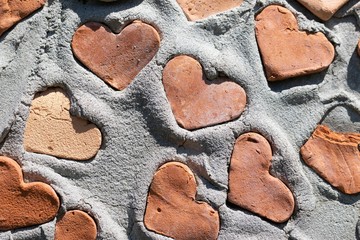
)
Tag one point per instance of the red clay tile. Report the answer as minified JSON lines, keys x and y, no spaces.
{"x":287,"y":52}
{"x":197,"y":102}
{"x":171,"y":207}
{"x":335,"y":157}
{"x":76,"y":225}
{"x":199,"y":9}
{"x":323,"y":9}
{"x":116,"y":58}
{"x":12,"y":11}
{"x":51,"y":130}
{"x":23,"y":204}
{"x":250,"y":184}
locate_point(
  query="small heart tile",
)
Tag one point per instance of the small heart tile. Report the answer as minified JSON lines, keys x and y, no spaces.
{"x":323,"y":9}
{"x":50,"y":129}
{"x":197,"y":102}
{"x":23,"y":204}
{"x":285,"y":50}
{"x":335,"y":157}
{"x":199,"y":9}
{"x":251,"y":186}
{"x":172,"y":210}
{"x":115,"y":58}
{"x":12,"y":12}
{"x":76,"y":225}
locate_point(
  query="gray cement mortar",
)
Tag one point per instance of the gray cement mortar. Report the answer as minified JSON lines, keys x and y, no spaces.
{"x":140,"y":132}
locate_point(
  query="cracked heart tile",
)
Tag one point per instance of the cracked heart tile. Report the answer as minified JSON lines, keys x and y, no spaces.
{"x":23,"y":204}
{"x":335,"y":157}
{"x":50,"y":129}
{"x":12,"y":11}
{"x":197,"y":102}
{"x":199,"y":9}
{"x":76,"y":225}
{"x":172,"y":210}
{"x":115,"y":58}
{"x":251,"y":186}
{"x":286,"y":51}
{"x":323,"y":9}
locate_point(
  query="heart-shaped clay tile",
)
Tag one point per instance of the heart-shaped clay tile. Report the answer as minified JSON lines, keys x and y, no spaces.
{"x":115,"y":58}
{"x":197,"y":102}
{"x":287,"y":52}
{"x":76,"y":225}
{"x":23,"y":204}
{"x":250,"y":184}
{"x":50,"y":129}
{"x":199,"y":9}
{"x":335,"y":157}
{"x":323,"y":9}
{"x":12,"y":11}
{"x":171,"y":208}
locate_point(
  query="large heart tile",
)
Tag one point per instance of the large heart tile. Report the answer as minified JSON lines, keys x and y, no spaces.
{"x":13,"y":11}
{"x":197,"y":102}
{"x":285,"y":50}
{"x":115,"y":58}
{"x":23,"y":204}
{"x":50,"y":129}
{"x":251,"y":186}
{"x":199,"y":9}
{"x":172,"y":210}
{"x":323,"y":9}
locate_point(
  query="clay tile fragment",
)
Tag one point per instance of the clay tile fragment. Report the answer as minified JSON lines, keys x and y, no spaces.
{"x":335,"y":157}
{"x":286,"y":51}
{"x":197,"y":102}
{"x":199,"y":9}
{"x":76,"y":225}
{"x":172,"y":209}
{"x":50,"y":129}
{"x":323,"y":9}
{"x":115,"y":58}
{"x":251,"y":186}
{"x":23,"y":204}
{"x":12,"y":11}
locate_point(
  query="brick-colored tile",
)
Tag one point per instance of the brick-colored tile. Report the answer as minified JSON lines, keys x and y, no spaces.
{"x":285,"y":50}
{"x":323,"y":9}
{"x":171,"y":207}
{"x":251,"y":186}
{"x":197,"y":102}
{"x":23,"y":204}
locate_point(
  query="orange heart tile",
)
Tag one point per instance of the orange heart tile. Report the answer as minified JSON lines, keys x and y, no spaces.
{"x":172,"y":210}
{"x":115,"y":58}
{"x":251,"y":186}
{"x":323,"y":9}
{"x":335,"y":157}
{"x":285,"y":50}
{"x":197,"y":102}
{"x":12,"y":11}
{"x":76,"y":225}
{"x":199,"y":9}
{"x":50,"y":129}
{"x":23,"y":204}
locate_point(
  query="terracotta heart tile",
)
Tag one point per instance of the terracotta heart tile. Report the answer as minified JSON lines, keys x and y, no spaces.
{"x":335,"y":157}
{"x":172,"y":210}
{"x":12,"y":11}
{"x":287,"y":52}
{"x":323,"y":9}
{"x":23,"y":204}
{"x":50,"y":129}
{"x":251,"y":186}
{"x":115,"y":58}
{"x":76,"y":225}
{"x":197,"y":102}
{"x":199,"y":9}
